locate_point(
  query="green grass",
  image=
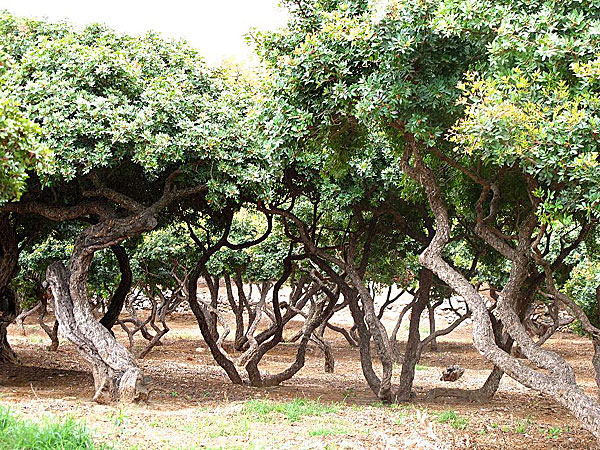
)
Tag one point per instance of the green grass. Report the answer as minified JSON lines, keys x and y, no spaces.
{"x":554,"y":432}
{"x":379,"y":404}
{"x":453,"y":419}
{"x":294,"y":410}
{"x":20,"y":434}
{"x":420,"y":367}
{"x":118,"y":417}
{"x":328,"y":431}
{"x":164,"y":422}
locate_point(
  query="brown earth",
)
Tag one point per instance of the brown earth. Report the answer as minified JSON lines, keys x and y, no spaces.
{"x":193,"y":405}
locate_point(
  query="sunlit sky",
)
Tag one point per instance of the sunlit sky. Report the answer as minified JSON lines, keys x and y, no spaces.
{"x":215,"y":27}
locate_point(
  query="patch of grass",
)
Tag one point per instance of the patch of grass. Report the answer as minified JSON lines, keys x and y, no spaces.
{"x":420,"y":367}
{"x":328,"y":431}
{"x":16,"y":433}
{"x":35,"y":339}
{"x":521,"y":427}
{"x":118,"y":417}
{"x":349,"y":392}
{"x":453,"y":419}
{"x":554,"y":432}
{"x":401,"y":412}
{"x":294,"y":410}
{"x":378,"y":404}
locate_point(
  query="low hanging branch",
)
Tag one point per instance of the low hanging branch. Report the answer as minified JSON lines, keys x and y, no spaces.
{"x":114,"y":369}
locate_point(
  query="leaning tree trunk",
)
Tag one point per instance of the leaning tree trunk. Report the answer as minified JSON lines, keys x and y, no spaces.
{"x":113,"y":367}
{"x":118,"y":298}
{"x":116,"y":374}
{"x":379,"y":335}
{"x":201,"y":318}
{"x":411,"y":353}
{"x":9,"y":257}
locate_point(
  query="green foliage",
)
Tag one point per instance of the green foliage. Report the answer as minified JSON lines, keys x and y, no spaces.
{"x":554,"y":432}
{"x":19,"y":434}
{"x":160,"y":252}
{"x":581,"y":287}
{"x":453,"y":419}
{"x":20,"y":150}
{"x":538,"y":107}
{"x":56,"y":244}
{"x":50,"y":246}
{"x":131,"y":108}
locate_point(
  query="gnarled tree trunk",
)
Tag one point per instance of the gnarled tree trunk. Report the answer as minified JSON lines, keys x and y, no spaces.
{"x":9,"y":258}
{"x":411,"y":353}
{"x":113,"y":367}
{"x":115,"y":371}
{"x":8,"y":313}
{"x":559,"y":381}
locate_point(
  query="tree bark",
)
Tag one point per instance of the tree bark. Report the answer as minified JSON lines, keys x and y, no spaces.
{"x":213,"y":283}
{"x":20,"y":319}
{"x":116,"y":374}
{"x":9,"y":309}
{"x":113,"y":367}
{"x":118,"y":298}
{"x":52,"y":333}
{"x":431,"y":313}
{"x":203,"y":323}
{"x":8,"y":313}
{"x":378,"y":334}
{"x":238,"y":312}
{"x":411,"y":353}
{"x":317,"y":315}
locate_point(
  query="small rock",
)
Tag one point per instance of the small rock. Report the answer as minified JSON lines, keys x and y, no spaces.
{"x":452,"y":373}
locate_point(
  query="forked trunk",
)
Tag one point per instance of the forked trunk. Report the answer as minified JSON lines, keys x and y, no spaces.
{"x":557,"y":380}
{"x":116,"y":374}
{"x":238,"y":311}
{"x":51,"y":332}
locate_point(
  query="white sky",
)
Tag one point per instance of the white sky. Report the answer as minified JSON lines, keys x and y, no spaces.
{"x":216,"y":27}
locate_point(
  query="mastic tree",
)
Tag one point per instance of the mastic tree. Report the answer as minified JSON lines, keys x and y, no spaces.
{"x":135,"y":125}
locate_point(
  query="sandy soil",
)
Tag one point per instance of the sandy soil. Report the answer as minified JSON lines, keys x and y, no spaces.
{"x":194,"y":406}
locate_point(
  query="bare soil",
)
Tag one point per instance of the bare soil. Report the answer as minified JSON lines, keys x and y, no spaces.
{"x":193,"y":404}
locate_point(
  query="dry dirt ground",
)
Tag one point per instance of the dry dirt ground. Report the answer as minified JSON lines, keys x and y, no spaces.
{"x":194,"y":406}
